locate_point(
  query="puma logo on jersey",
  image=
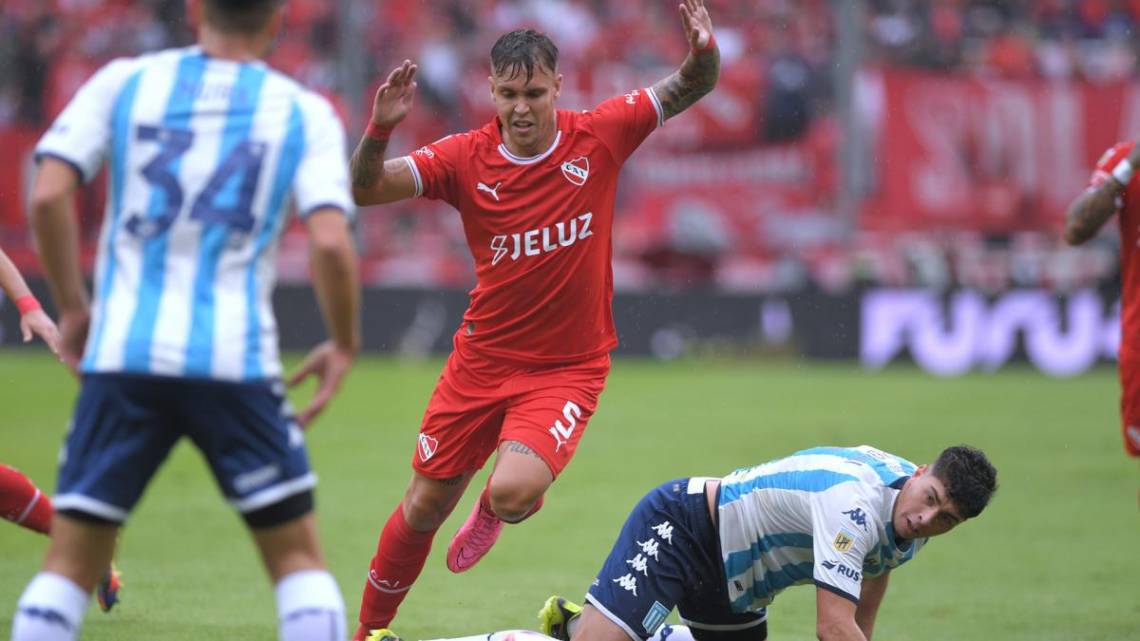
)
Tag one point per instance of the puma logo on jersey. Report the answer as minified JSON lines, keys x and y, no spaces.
{"x":541,"y":241}
{"x":493,"y":192}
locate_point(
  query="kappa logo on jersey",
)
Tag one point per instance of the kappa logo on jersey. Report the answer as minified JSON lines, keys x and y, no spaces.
{"x":562,"y":432}
{"x":493,"y":191}
{"x":428,"y":446}
{"x":628,"y":582}
{"x":843,"y":541}
{"x":425,"y":152}
{"x":529,"y":244}
{"x":631,"y":97}
{"x":858,"y":517}
{"x":577,"y":170}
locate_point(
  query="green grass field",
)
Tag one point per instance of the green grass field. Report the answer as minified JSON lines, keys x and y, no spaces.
{"x":1055,"y":556}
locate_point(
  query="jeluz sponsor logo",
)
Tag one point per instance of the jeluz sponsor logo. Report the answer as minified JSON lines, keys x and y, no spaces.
{"x":535,"y":242}
{"x":427,"y":447}
{"x":563,"y":431}
{"x":843,"y":570}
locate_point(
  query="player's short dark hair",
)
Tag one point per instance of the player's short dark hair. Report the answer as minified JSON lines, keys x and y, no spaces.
{"x":239,"y":16}
{"x":520,"y":51}
{"x":969,"y":477}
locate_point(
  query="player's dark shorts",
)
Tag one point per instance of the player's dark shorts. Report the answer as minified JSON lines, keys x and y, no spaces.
{"x":124,"y":427}
{"x":668,"y":555}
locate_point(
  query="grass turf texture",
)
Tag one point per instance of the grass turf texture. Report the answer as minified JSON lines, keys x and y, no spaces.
{"x":1054,"y":557}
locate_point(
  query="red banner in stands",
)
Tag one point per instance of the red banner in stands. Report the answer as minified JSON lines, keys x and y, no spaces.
{"x":987,"y":154}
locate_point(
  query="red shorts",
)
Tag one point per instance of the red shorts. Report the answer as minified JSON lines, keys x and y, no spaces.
{"x":479,"y":403}
{"x":1130,"y":403}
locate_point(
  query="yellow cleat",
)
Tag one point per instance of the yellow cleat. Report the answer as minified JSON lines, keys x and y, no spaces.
{"x":383,"y":634}
{"x":555,"y":616}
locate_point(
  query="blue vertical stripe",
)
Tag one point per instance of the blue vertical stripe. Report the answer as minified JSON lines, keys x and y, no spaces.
{"x":292,"y":150}
{"x":179,"y":109}
{"x":120,"y":136}
{"x":244,"y":98}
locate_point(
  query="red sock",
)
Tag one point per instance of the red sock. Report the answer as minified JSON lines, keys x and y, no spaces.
{"x":400,"y":557}
{"x":22,"y":503}
{"x":485,"y":502}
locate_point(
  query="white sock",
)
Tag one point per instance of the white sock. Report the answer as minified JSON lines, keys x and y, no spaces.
{"x":672,"y":633}
{"x":310,"y":608}
{"x":51,"y":609}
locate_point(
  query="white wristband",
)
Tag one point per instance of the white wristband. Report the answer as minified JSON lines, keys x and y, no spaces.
{"x":1123,"y":171}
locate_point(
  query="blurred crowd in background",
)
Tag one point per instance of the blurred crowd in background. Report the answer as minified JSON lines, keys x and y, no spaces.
{"x":775,"y":224}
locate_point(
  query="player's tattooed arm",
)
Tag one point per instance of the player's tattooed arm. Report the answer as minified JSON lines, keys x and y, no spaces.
{"x":698,"y":74}
{"x":1094,"y":206}
{"x":375,"y":181}
{"x":367,"y":163}
{"x":1090,"y":210}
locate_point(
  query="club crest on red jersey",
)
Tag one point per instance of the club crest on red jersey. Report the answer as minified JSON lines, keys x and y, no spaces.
{"x":577,"y":170}
{"x":428,"y":446}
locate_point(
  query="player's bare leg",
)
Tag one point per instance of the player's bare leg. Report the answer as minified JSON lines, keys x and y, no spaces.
{"x":513,"y":493}
{"x":404,"y":546}
{"x":309,"y":603}
{"x":595,"y":627}
{"x":53,"y":604}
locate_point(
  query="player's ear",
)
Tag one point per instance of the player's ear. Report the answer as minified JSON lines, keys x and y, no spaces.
{"x":557,"y":85}
{"x":491,"y":84}
{"x":277,"y":20}
{"x":920,"y":470}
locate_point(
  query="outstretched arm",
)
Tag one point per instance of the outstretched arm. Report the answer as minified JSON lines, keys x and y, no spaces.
{"x":1095,"y":205}
{"x":835,"y":618}
{"x":375,"y":180}
{"x":698,"y":74}
{"x":870,"y":598}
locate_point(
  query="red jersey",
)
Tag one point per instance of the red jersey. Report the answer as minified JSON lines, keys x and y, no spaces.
{"x":1128,"y":218}
{"x":540,"y":229}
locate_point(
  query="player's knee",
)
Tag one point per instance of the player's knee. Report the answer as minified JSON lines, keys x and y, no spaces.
{"x":513,"y":501}
{"x":424,"y":511}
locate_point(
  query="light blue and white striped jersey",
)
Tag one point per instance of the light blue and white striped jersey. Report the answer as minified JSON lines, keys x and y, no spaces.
{"x":203,"y":155}
{"x":821,"y":515}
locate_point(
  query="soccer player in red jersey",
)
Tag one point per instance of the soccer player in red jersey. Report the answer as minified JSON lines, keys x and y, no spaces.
{"x":1112,"y":190}
{"x":33,"y":320}
{"x":535,"y":189}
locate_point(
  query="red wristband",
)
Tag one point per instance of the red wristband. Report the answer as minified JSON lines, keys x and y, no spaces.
{"x":377,"y":132}
{"x":709,"y":46}
{"x":27,"y":304}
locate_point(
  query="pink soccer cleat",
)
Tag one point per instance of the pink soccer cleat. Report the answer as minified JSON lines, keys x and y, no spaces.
{"x":474,"y":539}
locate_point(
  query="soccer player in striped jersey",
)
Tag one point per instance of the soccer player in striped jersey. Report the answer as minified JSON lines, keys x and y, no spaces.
{"x":205,"y":146}
{"x":720,"y":550}
{"x":535,"y":188}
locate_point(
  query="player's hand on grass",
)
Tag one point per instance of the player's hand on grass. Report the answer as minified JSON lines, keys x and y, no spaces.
{"x":697,"y":23}
{"x":73,"y":327}
{"x":329,"y":363}
{"x":394,"y":98}
{"x":37,"y":323}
